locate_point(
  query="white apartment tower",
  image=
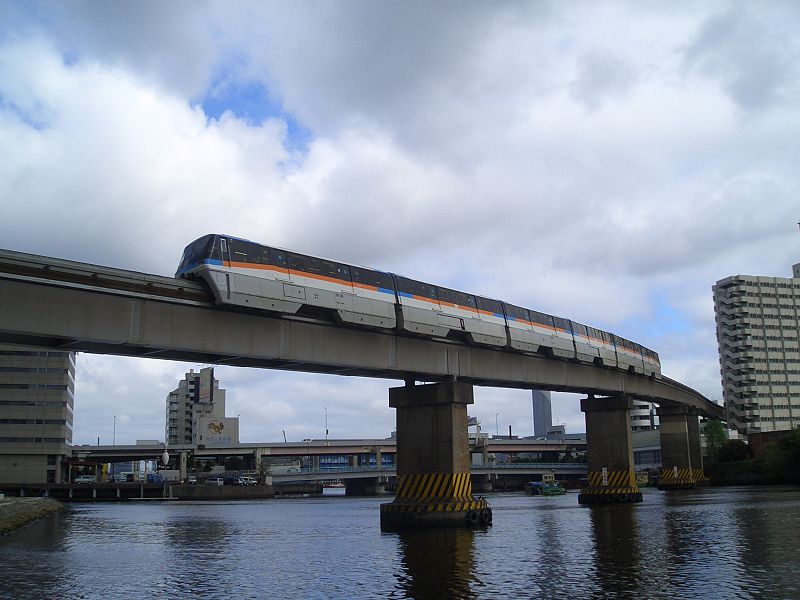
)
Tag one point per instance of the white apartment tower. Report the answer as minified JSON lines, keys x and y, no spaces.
{"x":757,"y":332}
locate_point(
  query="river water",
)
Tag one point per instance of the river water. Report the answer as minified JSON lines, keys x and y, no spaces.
{"x":712,"y":543}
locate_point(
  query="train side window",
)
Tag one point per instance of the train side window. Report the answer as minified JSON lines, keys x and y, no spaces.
{"x":561,"y":323}
{"x":278,"y":258}
{"x":444,"y":295}
{"x":416,"y":288}
{"x":517,"y":312}
{"x":327,"y":268}
{"x":541,"y":318}
{"x":297,"y":262}
{"x":489,"y":305}
{"x":578,"y":328}
{"x":380,"y":280}
{"x":465,"y":299}
{"x":262,"y":256}
{"x":342,"y":272}
{"x":313,"y":265}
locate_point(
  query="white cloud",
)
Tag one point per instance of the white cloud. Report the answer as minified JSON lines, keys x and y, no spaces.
{"x":604,"y":163}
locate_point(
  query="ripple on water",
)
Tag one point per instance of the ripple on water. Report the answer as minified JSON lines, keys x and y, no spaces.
{"x":734,"y":543}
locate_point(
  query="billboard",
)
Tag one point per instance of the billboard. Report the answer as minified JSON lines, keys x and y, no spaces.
{"x":214,"y":431}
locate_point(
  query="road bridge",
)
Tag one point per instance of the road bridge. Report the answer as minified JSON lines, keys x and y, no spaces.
{"x":54,"y":303}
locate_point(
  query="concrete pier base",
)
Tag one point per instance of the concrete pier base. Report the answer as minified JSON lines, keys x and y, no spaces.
{"x":434,"y":487}
{"x":609,"y":449}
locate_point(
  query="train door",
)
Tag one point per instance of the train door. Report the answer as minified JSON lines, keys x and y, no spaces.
{"x":225,"y":251}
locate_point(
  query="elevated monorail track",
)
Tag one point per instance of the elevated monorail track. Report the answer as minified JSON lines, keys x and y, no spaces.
{"x":55,"y":303}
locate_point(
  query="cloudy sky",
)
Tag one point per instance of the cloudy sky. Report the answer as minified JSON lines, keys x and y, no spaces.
{"x":607,"y":162}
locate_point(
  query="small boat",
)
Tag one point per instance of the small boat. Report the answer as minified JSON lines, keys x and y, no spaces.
{"x":548,"y":486}
{"x":542,"y":488}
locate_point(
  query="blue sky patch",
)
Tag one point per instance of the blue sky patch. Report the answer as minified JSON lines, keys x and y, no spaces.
{"x":253,"y":103}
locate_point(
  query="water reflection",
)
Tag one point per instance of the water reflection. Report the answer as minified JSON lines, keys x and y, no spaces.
{"x":706,"y":543}
{"x":437,"y":563}
{"x":617,"y":555}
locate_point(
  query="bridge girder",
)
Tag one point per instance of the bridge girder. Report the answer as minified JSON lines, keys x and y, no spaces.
{"x":92,"y":318}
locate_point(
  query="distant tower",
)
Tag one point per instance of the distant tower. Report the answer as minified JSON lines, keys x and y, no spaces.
{"x":542,"y":416}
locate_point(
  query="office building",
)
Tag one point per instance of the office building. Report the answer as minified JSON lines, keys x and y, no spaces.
{"x":542,"y":415}
{"x":36,"y":401}
{"x":196,"y":412}
{"x":757,"y":333}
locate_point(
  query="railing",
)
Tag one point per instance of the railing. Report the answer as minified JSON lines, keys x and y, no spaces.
{"x":391,"y":468}
{"x":551,"y":466}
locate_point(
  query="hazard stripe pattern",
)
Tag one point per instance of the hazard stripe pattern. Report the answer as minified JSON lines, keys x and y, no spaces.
{"x":425,"y":486}
{"x":615,"y":479}
{"x":434,"y":492}
{"x":685,"y":476}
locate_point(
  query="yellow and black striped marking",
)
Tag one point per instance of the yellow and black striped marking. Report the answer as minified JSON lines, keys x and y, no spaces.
{"x":672,"y":479}
{"x":433,"y":507}
{"x":700,"y":476}
{"x":429,"y":493}
{"x":423,"y":487}
{"x":610,"y":487}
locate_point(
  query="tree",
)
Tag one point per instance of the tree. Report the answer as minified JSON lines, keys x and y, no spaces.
{"x":715,"y":436}
{"x":733,"y":451}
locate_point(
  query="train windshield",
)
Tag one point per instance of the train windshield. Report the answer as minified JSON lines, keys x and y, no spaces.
{"x":194,"y":254}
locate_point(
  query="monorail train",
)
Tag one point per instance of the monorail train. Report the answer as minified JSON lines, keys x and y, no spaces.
{"x":245,"y":274}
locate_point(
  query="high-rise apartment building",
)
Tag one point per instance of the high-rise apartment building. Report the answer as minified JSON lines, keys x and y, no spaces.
{"x":196,"y":412}
{"x":757,"y":332}
{"x":36,"y":401}
{"x":643,"y":416}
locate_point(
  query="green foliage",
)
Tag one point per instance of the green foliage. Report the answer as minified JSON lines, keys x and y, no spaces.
{"x":715,"y":436}
{"x":733,"y":451}
{"x":776,"y":463}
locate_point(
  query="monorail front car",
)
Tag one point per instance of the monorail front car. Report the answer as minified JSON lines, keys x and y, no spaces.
{"x":245,"y":274}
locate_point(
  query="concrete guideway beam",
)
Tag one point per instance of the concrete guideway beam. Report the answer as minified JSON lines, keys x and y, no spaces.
{"x":609,"y":450}
{"x":434,"y":485}
{"x":681,"y":455}
{"x":46,"y":314}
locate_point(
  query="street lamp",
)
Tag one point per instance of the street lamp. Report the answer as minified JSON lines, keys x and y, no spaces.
{"x":496,"y":426}
{"x":114,"y":434}
{"x":326,"y":424}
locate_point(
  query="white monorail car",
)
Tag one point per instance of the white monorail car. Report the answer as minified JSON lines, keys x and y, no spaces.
{"x":245,"y":274}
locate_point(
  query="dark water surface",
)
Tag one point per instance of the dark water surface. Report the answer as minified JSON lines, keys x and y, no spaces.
{"x":712,"y":543}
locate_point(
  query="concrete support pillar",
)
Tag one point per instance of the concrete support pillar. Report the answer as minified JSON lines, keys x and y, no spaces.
{"x":609,"y":451}
{"x":676,"y":457}
{"x":378,"y":455}
{"x":433,"y":463}
{"x":315,"y":462}
{"x":352,"y":461}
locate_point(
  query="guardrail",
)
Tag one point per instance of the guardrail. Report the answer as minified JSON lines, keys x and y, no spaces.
{"x":475,"y":468}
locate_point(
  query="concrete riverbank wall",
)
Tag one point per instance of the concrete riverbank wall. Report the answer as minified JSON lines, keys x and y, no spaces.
{"x":17,"y":512}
